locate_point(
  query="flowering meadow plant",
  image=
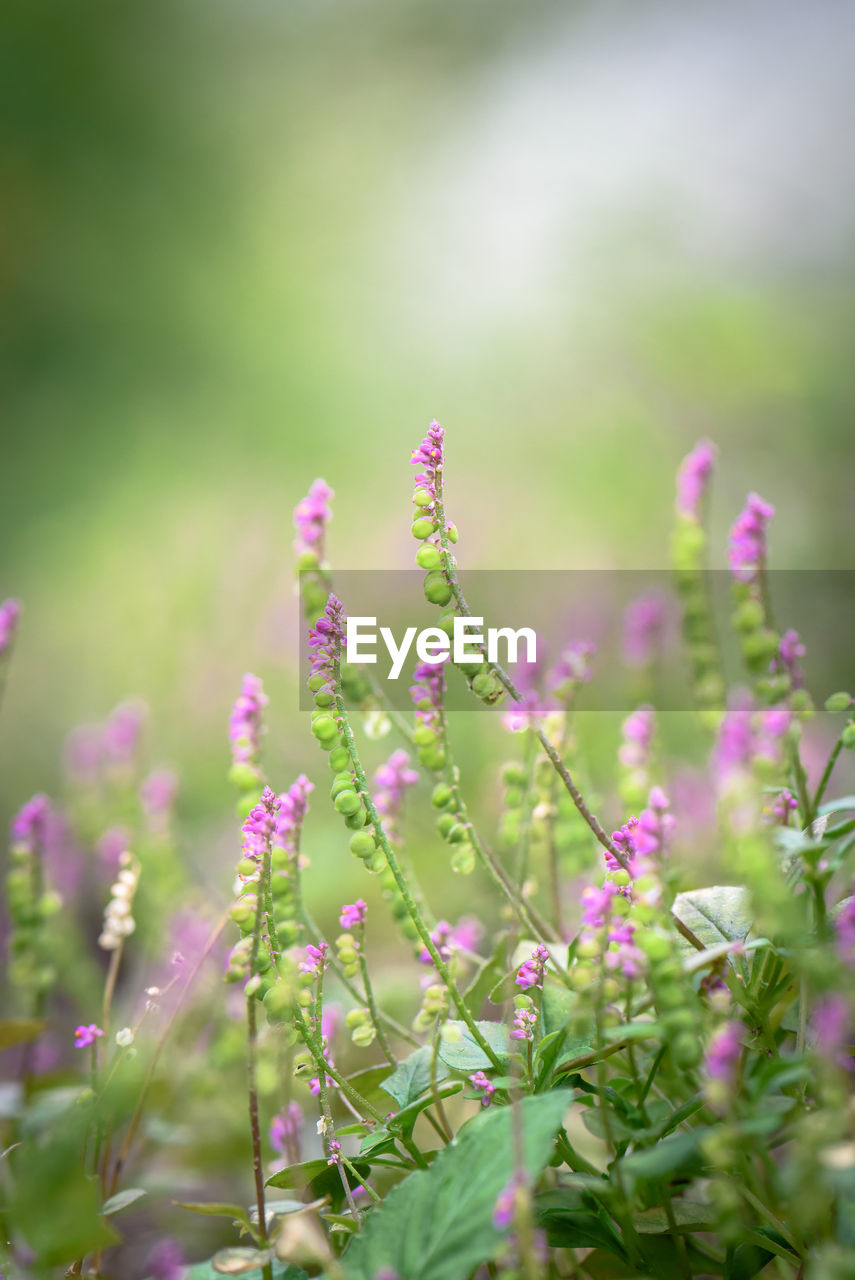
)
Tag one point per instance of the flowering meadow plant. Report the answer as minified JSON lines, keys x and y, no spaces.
{"x":614,"y":1069}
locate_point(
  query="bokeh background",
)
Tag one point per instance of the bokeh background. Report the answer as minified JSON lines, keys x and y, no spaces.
{"x":248,"y":244}
{"x":245,"y":245}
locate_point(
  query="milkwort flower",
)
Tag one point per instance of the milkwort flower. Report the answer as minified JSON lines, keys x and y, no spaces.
{"x":721,"y":1062}
{"x":693,"y":478}
{"x":84,"y":1036}
{"x":525,"y":1020}
{"x":747,"y":552}
{"x":326,"y":641}
{"x":531,"y":971}
{"x":10,"y":611}
{"x":643,"y":625}
{"x":634,"y":755}
{"x":353,"y":914}
{"x":484,"y":1085}
{"x":312,"y":514}
{"x":392,"y":780}
{"x":122,"y":733}
{"x":158,"y":792}
{"x":245,"y":729}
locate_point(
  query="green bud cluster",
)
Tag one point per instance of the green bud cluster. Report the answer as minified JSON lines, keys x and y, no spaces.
{"x":453,"y":829}
{"x":347,"y":950}
{"x":688,"y":557}
{"x":434,"y":1005}
{"x":361,"y":1028}
{"x":677,"y":1005}
{"x":30,"y":907}
{"x":759,"y":643}
{"x":397,"y":906}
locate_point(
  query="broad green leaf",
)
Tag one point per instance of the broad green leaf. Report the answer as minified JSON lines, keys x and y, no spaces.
{"x":716,"y":915}
{"x":486,"y":976}
{"x":19,"y":1031}
{"x":579,"y":1229}
{"x":217,"y":1209}
{"x":370,"y":1084}
{"x":320,"y":1178}
{"x":438,"y":1223}
{"x":665,"y":1158}
{"x":412,"y":1077}
{"x":407,"y":1117}
{"x":121,"y":1200}
{"x":460,"y":1052}
{"x":688,"y":1216}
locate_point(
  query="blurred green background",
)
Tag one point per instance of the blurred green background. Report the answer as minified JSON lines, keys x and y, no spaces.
{"x":248,"y":244}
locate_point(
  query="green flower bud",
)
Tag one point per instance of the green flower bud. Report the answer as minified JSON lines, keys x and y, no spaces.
{"x":242,"y":913}
{"x":323,"y":698}
{"x":247,"y":867}
{"x":409,"y":930}
{"x":348,"y":802}
{"x":749,"y":616}
{"x":244,"y":776}
{"x":305,"y":998}
{"x":424,"y":735}
{"x":446,"y":623}
{"x":463,"y":860}
{"x":341,"y":782}
{"x":277,"y":1002}
{"x":423,"y":498}
{"x":247,"y":802}
{"x":356,"y":1018}
{"x":339,"y":759}
{"x":423,"y":527}
{"x":316,"y":681}
{"x":442,"y":795}
{"x":307,"y":560}
{"x":451,"y":530}
{"x":847,"y":737}
{"x":364,"y":1036}
{"x":324,"y":728}
{"x":377,"y":862}
{"x":362,"y":844}
{"x":356,"y":821}
{"x":457,"y":834}
{"x":432,"y":757}
{"x":348,"y":956}
{"x":837,"y":703}
{"x":429,"y":556}
{"x":437,"y":590}
{"x":686,"y":1050}
{"x":444,"y":823}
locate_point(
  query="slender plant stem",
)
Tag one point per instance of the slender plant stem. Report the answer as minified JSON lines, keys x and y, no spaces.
{"x":252,"y":1054}
{"x":372,"y":1008}
{"x":403,"y":888}
{"x":826,"y":776}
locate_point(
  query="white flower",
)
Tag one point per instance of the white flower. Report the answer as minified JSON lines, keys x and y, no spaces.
{"x":124,"y":1037}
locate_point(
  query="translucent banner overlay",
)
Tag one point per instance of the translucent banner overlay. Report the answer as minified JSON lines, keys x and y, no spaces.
{"x":635,"y":619}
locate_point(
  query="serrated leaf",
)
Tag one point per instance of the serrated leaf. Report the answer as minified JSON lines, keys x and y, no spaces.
{"x":412,"y":1076}
{"x":121,"y":1200}
{"x":715,"y":915}
{"x":438,"y":1223}
{"x":19,"y":1031}
{"x":462,"y":1053}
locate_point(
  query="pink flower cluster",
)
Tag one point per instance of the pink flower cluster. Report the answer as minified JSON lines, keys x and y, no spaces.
{"x":326,"y":639}
{"x":353,"y":914}
{"x":392,"y":779}
{"x":693,"y":478}
{"x":429,"y":456}
{"x":723,"y":1052}
{"x":311,"y":517}
{"x":447,"y":938}
{"x":29,"y":826}
{"x":525,"y":1021}
{"x":245,"y":724}
{"x":259,"y":825}
{"x":643,"y":624}
{"x":293,"y":807}
{"x":10,"y":611}
{"x":531,"y":971}
{"x":85,"y":1036}
{"x":747,"y":553}
{"x":315,"y":960}
{"x":484,"y":1085}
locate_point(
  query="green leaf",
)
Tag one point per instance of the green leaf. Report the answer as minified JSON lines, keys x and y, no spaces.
{"x":19,"y":1031}
{"x":748,"y":1260}
{"x":579,"y":1229}
{"x":688,"y":1215}
{"x":438,"y":1223}
{"x":320,"y":1178}
{"x":237,"y":1260}
{"x":412,"y":1076}
{"x":665,"y":1158}
{"x":121,"y":1200}
{"x":407,"y":1117}
{"x":716,"y":915}
{"x":462,"y":1053}
{"x":217,"y":1209}
{"x":370,"y":1083}
{"x":486,"y":977}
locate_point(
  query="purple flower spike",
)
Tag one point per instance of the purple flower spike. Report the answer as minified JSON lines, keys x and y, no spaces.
{"x":326,"y":639}
{"x":10,"y":611}
{"x":504,"y":1210}
{"x":311,"y":517}
{"x":531,"y":971}
{"x":315,"y":960}
{"x":525,"y":1021}
{"x":245,"y":725}
{"x":392,"y":780}
{"x":29,"y":826}
{"x":747,"y":552}
{"x":723,"y":1053}
{"x":693,"y":478}
{"x":642,"y":629}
